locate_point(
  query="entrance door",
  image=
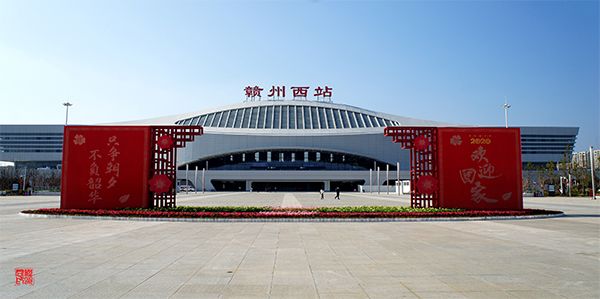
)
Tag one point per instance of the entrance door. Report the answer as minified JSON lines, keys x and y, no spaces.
{"x":288,"y":186}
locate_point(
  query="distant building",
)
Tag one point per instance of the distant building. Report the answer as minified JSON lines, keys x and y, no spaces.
{"x":582,"y":159}
{"x":283,"y":145}
{"x":540,"y":145}
{"x":34,"y":146}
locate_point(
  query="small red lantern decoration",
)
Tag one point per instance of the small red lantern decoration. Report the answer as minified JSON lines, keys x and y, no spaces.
{"x":165,"y":142}
{"x":421,"y":143}
{"x":427,"y":184}
{"x":160,"y":183}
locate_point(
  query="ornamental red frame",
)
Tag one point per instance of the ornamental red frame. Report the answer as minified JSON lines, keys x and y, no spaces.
{"x":467,"y":168}
{"x":163,"y":160}
{"x":423,"y":161}
{"x":115,"y":167}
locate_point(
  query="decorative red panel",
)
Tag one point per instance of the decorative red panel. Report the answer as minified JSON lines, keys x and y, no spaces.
{"x":163,"y":168}
{"x":470,"y":168}
{"x":105,"y":167}
{"x":112,"y":167}
{"x":480,"y":168}
{"x":422,"y":142}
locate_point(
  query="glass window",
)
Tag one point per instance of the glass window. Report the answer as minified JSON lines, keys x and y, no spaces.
{"x":329,"y":118}
{"x":209,"y":119}
{"x":315,"y":118}
{"x":293,"y":157}
{"x":330,"y":157}
{"x":318,"y":157}
{"x":373,"y":121}
{"x":216,"y":119}
{"x":261,"y":117}
{"x":344,"y":117}
{"x":257,"y":156}
{"x":253,"y":117}
{"x":292,"y":117}
{"x":230,"y":119}
{"x":351,"y":119}
{"x":305,"y":156}
{"x":280,"y":157}
{"x":238,"y":118}
{"x":336,"y":118}
{"x":366,"y":120}
{"x":202,"y":120}
{"x":223,"y":119}
{"x":244,"y":157}
{"x":322,"y":118}
{"x":269,"y":118}
{"x":268,"y":156}
{"x":284,"y":117}
{"x":276,"y":113}
{"x":246,"y":118}
{"x":307,"y":124}
{"x":299,"y":118}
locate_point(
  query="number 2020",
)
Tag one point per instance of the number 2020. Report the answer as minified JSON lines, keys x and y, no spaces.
{"x":481,"y":141}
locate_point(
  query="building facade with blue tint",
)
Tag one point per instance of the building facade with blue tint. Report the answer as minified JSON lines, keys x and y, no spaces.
{"x":284,"y":145}
{"x":34,"y":146}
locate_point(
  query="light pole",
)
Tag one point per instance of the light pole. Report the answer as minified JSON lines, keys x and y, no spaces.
{"x":67,"y":104}
{"x":506,"y":106}
{"x":592,"y":172}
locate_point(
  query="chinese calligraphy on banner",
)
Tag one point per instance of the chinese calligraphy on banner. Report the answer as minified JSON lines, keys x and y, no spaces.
{"x":480,"y":168}
{"x":107,"y":168}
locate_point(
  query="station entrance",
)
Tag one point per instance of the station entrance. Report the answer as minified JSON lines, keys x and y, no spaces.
{"x":288,"y":186}
{"x":282,"y":186}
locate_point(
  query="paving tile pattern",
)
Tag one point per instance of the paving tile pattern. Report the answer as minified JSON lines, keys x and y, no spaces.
{"x":543,"y":258}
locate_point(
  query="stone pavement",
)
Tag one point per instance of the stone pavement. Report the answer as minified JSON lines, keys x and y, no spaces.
{"x":543,"y":258}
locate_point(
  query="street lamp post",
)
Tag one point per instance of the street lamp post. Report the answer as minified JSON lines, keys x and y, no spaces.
{"x":67,"y":104}
{"x":506,"y":106}
{"x":592,"y":172}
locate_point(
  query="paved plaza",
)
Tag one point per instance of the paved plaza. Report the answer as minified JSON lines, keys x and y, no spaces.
{"x":80,"y":258}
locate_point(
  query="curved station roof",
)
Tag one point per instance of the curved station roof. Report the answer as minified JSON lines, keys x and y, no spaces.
{"x":291,"y":115}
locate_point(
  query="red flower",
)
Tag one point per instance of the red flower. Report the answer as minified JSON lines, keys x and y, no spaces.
{"x":421,"y":143}
{"x":279,"y":213}
{"x":427,"y":184}
{"x":165,"y":142}
{"x":160,"y":183}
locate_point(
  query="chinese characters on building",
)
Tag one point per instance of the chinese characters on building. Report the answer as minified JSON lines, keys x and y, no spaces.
{"x":253,"y":93}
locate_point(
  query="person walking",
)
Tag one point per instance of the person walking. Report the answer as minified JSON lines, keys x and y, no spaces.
{"x":337,"y":193}
{"x":322,"y":193}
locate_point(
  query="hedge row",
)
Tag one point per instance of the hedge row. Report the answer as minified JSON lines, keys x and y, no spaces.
{"x":266,"y":212}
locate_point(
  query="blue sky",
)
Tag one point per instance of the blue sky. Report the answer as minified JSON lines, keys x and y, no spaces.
{"x":447,"y":61}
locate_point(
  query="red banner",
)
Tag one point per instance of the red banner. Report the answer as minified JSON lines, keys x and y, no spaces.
{"x":480,"y":168}
{"x":105,"y":167}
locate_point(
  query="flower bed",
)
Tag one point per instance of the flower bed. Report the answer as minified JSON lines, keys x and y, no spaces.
{"x":274,"y":212}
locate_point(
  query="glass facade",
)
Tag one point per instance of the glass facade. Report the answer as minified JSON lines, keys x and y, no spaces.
{"x":289,"y":159}
{"x":281,"y":116}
